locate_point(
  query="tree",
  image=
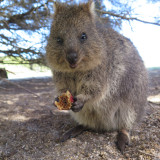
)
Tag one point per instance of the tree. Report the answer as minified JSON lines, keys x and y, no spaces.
{"x":20,"y":21}
{"x":24,"y":25}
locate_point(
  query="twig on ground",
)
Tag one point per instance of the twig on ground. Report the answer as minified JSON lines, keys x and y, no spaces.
{"x":4,"y":88}
{"x":10,"y":72}
{"x":19,"y":86}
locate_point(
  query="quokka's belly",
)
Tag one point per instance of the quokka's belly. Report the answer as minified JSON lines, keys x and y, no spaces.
{"x":105,"y":118}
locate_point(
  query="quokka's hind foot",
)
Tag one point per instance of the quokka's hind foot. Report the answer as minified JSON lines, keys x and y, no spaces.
{"x":122,"y":140}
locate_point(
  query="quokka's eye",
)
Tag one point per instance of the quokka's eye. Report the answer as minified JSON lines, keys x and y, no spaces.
{"x":83,"y":37}
{"x":59,"y":40}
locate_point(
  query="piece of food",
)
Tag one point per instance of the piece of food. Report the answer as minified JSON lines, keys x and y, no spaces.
{"x":64,"y":101}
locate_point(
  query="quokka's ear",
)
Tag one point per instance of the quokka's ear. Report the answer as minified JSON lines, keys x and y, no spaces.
{"x":91,"y":6}
{"x":58,"y":7}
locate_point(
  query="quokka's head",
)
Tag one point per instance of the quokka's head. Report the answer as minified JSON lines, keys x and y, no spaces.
{"x":74,"y":43}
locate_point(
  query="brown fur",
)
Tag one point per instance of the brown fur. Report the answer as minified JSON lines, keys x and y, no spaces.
{"x":110,"y":78}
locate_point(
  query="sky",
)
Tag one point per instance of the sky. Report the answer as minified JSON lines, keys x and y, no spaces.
{"x":145,"y":37}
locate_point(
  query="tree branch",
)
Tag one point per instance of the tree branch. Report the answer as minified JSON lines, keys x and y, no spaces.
{"x":126,"y":18}
{"x":19,"y":86}
{"x":20,"y":17}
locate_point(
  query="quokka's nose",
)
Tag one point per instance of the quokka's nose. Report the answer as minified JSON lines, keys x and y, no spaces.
{"x":72,"y":57}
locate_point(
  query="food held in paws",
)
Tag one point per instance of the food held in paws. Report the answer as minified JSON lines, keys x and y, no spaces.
{"x":64,"y":101}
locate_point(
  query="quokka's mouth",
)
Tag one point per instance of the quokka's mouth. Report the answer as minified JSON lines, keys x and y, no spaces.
{"x":73,"y":66}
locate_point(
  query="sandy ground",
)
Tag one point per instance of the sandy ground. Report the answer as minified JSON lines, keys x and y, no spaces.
{"x":30,"y":127}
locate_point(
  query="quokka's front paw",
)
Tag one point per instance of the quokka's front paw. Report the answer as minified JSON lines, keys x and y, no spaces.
{"x":77,"y":105}
{"x":55,"y":99}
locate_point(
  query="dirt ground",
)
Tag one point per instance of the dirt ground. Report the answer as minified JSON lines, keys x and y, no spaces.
{"x":30,"y":127}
